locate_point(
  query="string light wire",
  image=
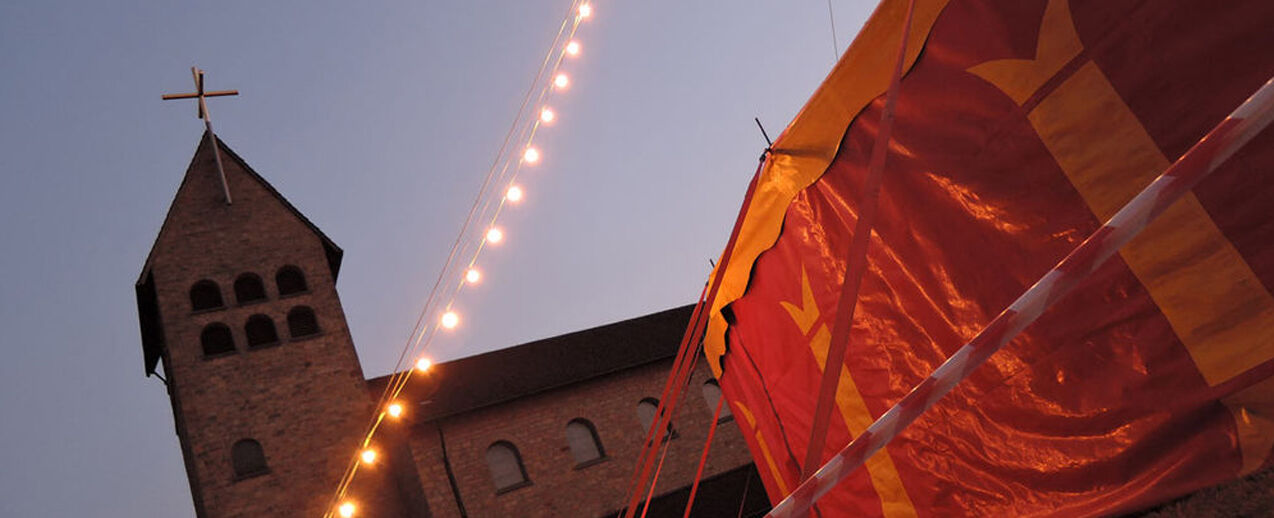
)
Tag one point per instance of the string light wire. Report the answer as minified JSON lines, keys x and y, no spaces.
{"x":507,"y":176}
{"x":831,"y":20}
{"x":503,"y":171}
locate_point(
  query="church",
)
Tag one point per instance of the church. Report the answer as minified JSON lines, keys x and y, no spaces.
{"x":241,"y":319}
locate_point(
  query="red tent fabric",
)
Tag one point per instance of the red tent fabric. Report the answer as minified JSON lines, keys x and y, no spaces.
{"x":1021,"y":126}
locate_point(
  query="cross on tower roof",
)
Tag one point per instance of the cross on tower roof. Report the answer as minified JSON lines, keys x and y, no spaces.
{"x":200,"y":94}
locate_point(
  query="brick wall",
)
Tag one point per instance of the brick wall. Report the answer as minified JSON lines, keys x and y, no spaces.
{"x":536,"y":425}
{"x":305,"y":400}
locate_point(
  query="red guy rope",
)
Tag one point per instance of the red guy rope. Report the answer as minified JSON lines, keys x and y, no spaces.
{"x":694,"y":333}
{"x":703,"y":459}
{"x":844,"y":319}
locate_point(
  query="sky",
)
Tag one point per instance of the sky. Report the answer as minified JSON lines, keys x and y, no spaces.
{"x":378,"y":121}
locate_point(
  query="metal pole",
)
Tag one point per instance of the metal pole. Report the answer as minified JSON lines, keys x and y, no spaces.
{"x":216,"y":154}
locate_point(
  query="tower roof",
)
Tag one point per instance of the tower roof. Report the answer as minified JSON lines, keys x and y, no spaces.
{"x":202,"y":166}
{"x":334,"y":252}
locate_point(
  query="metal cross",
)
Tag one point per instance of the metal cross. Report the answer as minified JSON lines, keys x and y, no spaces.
{"x":200,"y":94}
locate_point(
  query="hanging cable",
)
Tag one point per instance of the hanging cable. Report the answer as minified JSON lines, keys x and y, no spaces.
{"x":832,"y":20}
{"x":422,"y":333}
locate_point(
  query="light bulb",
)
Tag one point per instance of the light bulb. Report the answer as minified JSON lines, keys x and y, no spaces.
{"x":514,"y":194}
{"x":346,"y":509}
{"x":450,"y":320}
{"x":472,"y":276}
{"x":547,"y":115}
{"x":561,"y":81}
{"x":585,"y":11}
{"x":531,"y":155}
{"x":572,"y":48}
{"x":424,"y":364}
{"x":494,"y":236}
{"x":368,"y":456}
{"x":394,"y":410}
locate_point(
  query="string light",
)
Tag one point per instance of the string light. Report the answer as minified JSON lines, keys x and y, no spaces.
{"x":513,"y":194}
{"x":450,"y":320}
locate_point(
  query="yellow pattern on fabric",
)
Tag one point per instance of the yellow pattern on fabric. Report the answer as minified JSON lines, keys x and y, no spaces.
{"x":807,"y":313}
{"x":765,"y":449}
{"x":894,"y":500}
{"x":1210,"y":296}
{"x":1058,"y":44}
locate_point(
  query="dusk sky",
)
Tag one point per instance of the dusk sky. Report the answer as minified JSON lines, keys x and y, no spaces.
{"x":378,"y":121}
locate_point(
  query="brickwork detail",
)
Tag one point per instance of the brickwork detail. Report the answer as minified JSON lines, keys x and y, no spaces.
{"x":304,"y":400}
{"x":537,"y":426}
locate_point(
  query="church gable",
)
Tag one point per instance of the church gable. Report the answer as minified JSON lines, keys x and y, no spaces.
{"x":204,"y":236}
{"x":200,"y":206}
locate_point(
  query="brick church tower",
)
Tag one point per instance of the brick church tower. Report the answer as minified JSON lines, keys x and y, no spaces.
{"x":238,"y":304}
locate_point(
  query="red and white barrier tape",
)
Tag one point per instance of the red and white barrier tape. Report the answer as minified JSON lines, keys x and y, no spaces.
{"x":1202,"y":159}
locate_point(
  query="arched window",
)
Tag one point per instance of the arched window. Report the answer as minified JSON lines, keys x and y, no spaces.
{"x":248,"y":288}
{"x":506,"y":467}
{"x":205,"y":294}
{"x":711,"y":395}
{"x":290,"y":280}
{"x":216,"y":339}
{"x":301,"y":322}
{"x":260,"y":331}
{"x":248,"y":458}
{"x":646,"y":411}
{"x":585,"y":445}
